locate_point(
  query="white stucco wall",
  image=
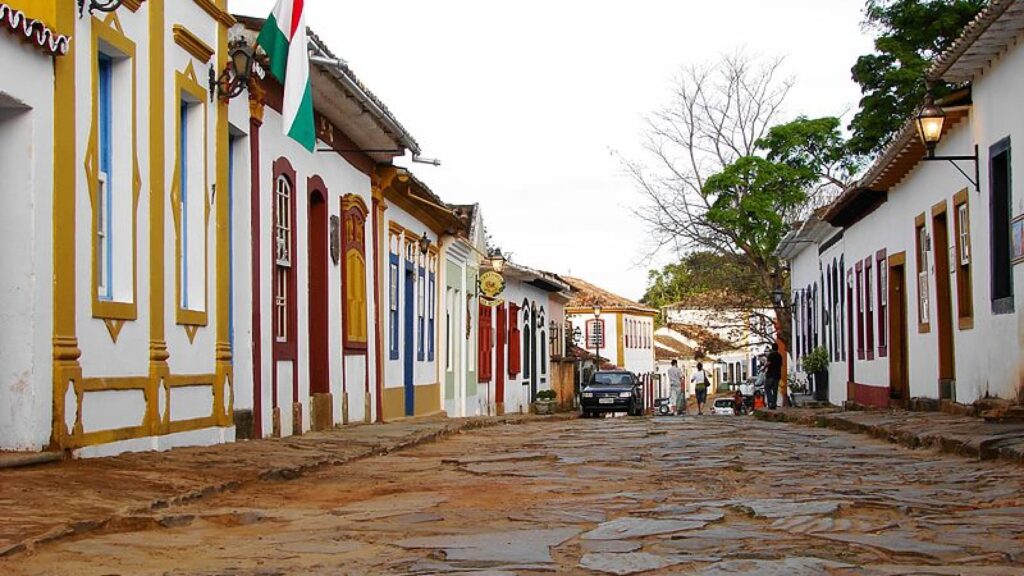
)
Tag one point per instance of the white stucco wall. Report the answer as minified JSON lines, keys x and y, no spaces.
{"x":26,"y":216}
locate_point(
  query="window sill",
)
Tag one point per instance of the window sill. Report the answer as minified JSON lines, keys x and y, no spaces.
{"x":192,"y":317}
{"x":113,"y":310}
{"x":1002,"y":306}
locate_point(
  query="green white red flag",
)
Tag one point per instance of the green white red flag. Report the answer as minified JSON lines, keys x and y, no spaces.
{"x":283,"y":38}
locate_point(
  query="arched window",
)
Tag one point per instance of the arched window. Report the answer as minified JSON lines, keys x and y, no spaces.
{"x":542,"y":342}
{"x":354,"y":272}
{"x":283,"y":239}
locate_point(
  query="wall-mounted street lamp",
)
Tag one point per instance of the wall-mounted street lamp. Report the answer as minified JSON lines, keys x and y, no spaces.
{"x":496,"y":260}
{"x":930,"y":120}
{"x":98,"y":6}
{"x":424,"y":243}
{"x":236,"y":75}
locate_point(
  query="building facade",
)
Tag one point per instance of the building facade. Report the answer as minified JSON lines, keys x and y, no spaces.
{"x":927,"y":258}
{"x":623,"y":333}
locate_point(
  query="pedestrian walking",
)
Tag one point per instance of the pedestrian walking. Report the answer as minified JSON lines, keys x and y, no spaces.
{"x":773,"y":373}
{"x":675,"y":385}
{"x":700,"y":381}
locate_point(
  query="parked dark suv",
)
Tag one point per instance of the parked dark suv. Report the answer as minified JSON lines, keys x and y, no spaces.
{"x":612,"y":391}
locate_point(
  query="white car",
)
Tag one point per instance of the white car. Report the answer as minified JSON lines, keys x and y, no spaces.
{"x":723,"y":407}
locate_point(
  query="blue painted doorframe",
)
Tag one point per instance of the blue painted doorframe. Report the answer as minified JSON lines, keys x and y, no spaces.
{"x":408,"y":349}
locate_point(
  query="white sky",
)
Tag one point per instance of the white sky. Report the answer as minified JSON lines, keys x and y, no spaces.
{"x":524,"y":102}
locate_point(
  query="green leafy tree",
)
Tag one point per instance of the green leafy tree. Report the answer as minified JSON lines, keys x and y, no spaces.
{"x":909,"y":35}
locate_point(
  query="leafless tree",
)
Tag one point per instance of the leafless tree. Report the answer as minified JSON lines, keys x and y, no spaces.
{"x":717,"y":115}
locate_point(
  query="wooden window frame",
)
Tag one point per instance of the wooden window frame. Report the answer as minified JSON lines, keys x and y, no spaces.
{"x":881,"y":294}
{"x":1002,"y":303}
{"x":869,"y":310}
{"x":355,"y":330}
{"x":285,"y":348}
{"x":859,"y":290}
{"x":603,"y":340}
{"x":921,"y":250}
{"x":964,"y":260}
{"x":115,"y":305}
{"x":515,"y":352}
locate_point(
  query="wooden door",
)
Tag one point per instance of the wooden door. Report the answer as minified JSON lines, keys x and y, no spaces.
{"x":943,"y":301}
{"x":409,"y":348}
{"x":851,"y":358}
{"x":899,"y":378}
{"x":317,"y":315}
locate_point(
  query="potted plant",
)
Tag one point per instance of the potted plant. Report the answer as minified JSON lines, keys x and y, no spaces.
{"x":815,"y":363}
{"x":545,"y":402}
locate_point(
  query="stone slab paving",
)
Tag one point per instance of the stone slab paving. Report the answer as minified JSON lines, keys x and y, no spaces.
{"x":683,"y":495}
{"x":63,"y":499}
{"x":954,"y":434}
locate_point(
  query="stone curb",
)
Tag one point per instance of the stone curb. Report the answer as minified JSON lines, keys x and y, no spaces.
{"x":446,"y":428}
{"x":957,"y":435}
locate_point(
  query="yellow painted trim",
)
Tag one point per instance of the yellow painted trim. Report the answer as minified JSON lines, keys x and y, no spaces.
{"x":223,"y":394}
{"x":66,"y":370}
{"x":192,"y":44}
{"x":620,"y":340}
{"x":113,"y":384}
{"x":577,"y":310}
{"x":427,"y":398}
{"x":132,"y":5}
{"x":42,"y":10}
{"x":217,"y":11}
{"x":110,"y":32}
{"x":157,"y":107}
{"x":186,"y":82}
{"x":393,"y":403}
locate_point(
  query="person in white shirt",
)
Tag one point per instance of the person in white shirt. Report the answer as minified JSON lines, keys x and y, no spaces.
{"x":701,"y":382}
{"x":675,"y":385}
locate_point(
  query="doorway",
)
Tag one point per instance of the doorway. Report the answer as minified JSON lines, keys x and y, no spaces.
{"x":531,"y":330}
{"x":408,"y":348}
{"x":499,"y":365}
{"x":943,"y":302}
{"x":851,"y":386}
{"x":899,"y":376}
{"x":317,"y":315}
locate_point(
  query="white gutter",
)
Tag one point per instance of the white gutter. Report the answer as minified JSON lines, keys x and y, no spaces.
{"x":336,"y":67}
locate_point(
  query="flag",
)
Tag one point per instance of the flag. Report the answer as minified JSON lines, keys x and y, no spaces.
{"x":283,"y":38}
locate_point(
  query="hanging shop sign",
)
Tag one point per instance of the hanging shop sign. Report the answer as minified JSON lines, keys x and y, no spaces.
{"x":492,"y":285}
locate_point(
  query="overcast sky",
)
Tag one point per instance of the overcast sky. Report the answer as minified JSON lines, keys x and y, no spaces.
{"x":525,"y":102}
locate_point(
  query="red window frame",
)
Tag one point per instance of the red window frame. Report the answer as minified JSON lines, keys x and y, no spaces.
{"x":882,"y":280}
{"x":601,"y":343}
{"x":515,"y":339}
{"x":869,"y":316}
{"x":860,"y":309}
{"x":486,"y":343}
{"x":286,"y":349}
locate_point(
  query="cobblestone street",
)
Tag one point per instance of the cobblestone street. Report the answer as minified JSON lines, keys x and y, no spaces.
{"x":680,"y":495}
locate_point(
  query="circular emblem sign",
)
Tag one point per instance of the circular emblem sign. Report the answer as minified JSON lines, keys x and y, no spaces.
{"x":491,"y":286}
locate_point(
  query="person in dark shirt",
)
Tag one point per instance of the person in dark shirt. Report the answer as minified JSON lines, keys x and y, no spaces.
{"x":773,"y":374}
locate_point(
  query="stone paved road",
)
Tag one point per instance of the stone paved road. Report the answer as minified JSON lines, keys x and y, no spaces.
{"x":709,"y":496}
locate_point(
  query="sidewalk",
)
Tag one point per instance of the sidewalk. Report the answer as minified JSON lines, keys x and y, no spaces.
{"x":960,"y":435}
{"x":53,"y":501}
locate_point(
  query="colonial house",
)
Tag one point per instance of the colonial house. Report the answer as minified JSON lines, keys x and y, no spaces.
{"x":814,"y":250}
{"x":462,"y":257}
{"x":930,"y":239}
{"x":120,"y":286}
{"x":308,"y":227}
{"x":35,"y":46}
{"x":619,"y":330}
{"x":521,"y":339}
{"x":418,"y":228}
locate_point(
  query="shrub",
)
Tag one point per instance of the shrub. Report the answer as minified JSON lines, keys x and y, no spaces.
{"x":815,"y":361}
{"x":546,"y":395}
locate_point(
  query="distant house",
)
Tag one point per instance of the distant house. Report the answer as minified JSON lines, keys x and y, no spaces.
{"x":623,"y":333}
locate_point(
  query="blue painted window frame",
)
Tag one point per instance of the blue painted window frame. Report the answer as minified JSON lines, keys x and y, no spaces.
{"x":183,"y":177}
{"x":432,"y":286}
{"x":421,"y":315}
{"x":106,"y":145}
{"x":393,"y":308}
